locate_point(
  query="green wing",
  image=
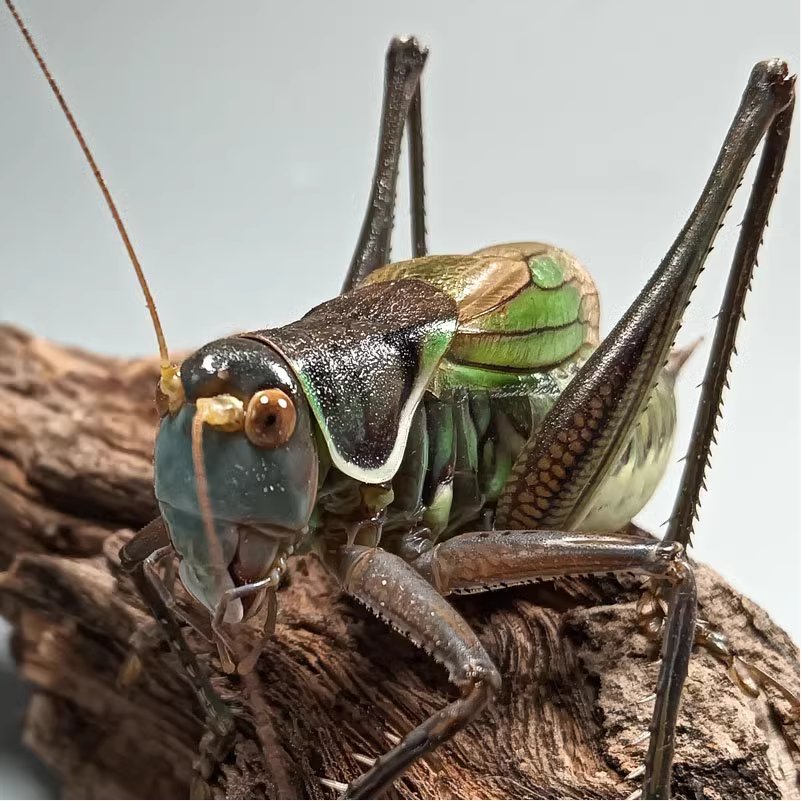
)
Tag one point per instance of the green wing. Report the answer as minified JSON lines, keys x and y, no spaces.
{"x":524,"y":309}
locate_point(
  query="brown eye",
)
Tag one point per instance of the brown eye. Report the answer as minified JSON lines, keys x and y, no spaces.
{"x":270,"y":418}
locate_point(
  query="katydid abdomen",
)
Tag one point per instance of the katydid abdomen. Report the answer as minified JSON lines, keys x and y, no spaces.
{"x":463,"y":444}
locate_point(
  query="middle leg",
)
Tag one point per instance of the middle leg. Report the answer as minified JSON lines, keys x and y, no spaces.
{"x":402,"y":105}
{"x":397,"y":594}
{"x":486,"y":560}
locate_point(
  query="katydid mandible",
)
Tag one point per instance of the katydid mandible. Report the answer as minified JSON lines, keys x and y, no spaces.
{"x":448,"y":424}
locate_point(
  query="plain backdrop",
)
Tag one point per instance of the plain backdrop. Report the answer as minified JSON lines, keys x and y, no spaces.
{"x":239,"y":141}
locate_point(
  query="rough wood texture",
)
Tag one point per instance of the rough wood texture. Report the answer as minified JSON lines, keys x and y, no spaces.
{"x":76,"y":432}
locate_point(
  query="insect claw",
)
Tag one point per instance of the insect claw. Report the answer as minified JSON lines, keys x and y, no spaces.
{"x":646,"y":699}
{"x":635,"y":795}
{"x":332,"y":784}
{"x":743,"y":677}
{"x":130,"y":671}
{"x":640,"y":739}
{"x":393,"y":738}
{"x":363,"y":759}
{"x":635,"y":774}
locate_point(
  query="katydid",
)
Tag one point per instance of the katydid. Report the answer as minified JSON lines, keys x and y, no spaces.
{"x":449,"y":424}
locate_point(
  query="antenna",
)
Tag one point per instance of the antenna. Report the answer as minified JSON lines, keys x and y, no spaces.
{"x":170,"y":382}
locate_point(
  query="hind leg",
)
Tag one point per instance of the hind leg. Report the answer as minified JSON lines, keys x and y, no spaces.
{"x":555,"y":479}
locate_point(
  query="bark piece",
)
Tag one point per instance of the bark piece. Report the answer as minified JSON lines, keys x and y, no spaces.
{"x":76,"y":434}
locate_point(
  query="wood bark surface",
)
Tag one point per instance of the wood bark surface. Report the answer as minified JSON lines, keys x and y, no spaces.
{"x":76,"y":437}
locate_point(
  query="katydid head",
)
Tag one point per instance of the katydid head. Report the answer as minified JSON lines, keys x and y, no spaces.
{"x":235,"y":468}
{"x":235,"y":519}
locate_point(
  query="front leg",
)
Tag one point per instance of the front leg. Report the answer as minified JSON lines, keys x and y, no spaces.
{"x":140,"y":557}
{"x":396,"y":593}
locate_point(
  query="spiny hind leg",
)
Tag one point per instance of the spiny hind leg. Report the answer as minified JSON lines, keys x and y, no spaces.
{"x":555,"y":480}
{"x":749,"y":677}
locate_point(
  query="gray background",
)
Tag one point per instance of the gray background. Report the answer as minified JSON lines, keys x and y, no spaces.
{"x":239,"y":141}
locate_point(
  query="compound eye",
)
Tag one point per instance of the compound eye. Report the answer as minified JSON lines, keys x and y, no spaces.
{"x":270,"y":418}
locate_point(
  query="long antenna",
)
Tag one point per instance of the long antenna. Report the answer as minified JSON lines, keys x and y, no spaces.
{"x":168,"y":369}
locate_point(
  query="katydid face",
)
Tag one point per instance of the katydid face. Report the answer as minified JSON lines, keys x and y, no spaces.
{"x":258,"y":468}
